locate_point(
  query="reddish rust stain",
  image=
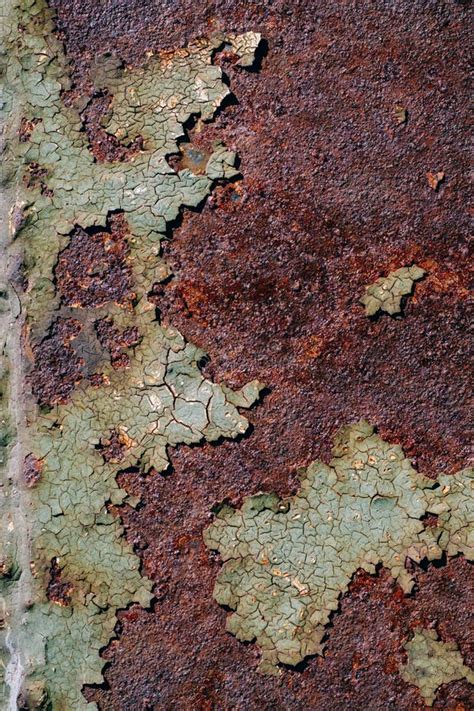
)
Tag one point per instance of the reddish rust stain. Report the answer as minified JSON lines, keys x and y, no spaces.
{"x":435,"y":179}
{"x":98,"y":379}
{"x":27,"y":127}
{"x":93,"y":269}
{"x":267,"y":280}
{"x":430,"y":520}
{"x":114,"y":448}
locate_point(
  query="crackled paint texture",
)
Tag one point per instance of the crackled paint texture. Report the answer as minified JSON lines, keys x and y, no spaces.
{"x":154,"y":103}
{"x":432,"y":663}
{"x":286,"y":561}
{"x":267,"y":279}
{"x":334,"y":195}
{"x":83,"y":569}
{"x":387,"y":293}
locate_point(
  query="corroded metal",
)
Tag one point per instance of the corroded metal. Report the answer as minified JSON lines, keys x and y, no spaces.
{"x":65,"y":566}
{"x":355,"y":113}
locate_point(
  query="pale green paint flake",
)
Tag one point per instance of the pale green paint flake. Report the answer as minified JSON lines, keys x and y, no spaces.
{"x":387,"y":293}
{"x":162,"y":400}
{"x":287,"y":561}
{"x":189,"y":85}
{"x":245,"y":46}
{"x":432,"y":663}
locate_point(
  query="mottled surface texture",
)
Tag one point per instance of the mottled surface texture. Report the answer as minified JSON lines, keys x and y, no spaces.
{"x":268,"y":280}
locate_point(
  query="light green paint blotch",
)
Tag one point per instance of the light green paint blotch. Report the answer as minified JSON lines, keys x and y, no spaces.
{"x":386,"y":293}
{"x":154,"y":102}
{"x":287,"y":561}
{"x":432,"y":663}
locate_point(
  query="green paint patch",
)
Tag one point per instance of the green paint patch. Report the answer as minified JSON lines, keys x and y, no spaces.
{"x":432,"y":663}
{"x":387,"y":293}
{"x":152,"y":102}
{"x":287,"y":561}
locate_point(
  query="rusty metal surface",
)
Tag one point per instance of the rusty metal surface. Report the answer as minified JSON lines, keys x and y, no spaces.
{"x":267,"y":280}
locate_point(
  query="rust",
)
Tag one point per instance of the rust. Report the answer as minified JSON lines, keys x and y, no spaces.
{"x":93,"y":269}
{"x":32,"y":468}
{"x":435,"y":179}
{"x":26,"y":128}
{"x":104,"y":146}
{"x":58,"y":591}
{"x":56,"y":368}
{"x":35,"y":177}
{"x":190,"y":157}
{"x":267,"y":280}
{"x":430,"y":521}
{"x":113,"y":449}
{"x":98,"y":379}
{"x":115,"y":341}
{"x":74,"y":349}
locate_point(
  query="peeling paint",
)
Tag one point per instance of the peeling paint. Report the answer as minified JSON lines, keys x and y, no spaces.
{"x":267,"y":280}
{"x":287,"y":561}
{"x":432,"y":663}
{"x":387,"y":293}
{"x":82,"y":569}
{"x":201,"y":667}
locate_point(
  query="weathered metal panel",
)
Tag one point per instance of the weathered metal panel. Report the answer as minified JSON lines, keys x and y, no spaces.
{"x":352,"y":136}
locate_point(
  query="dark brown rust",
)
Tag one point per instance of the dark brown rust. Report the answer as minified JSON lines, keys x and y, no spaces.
{"x":93,"y":269}
{"x":32,"y":469}
{"x":113,"y":448}
{"x":56,"y":368}
{"x":115,"y":341}
{"x":58,"y":591}
{"x":268,"y":279}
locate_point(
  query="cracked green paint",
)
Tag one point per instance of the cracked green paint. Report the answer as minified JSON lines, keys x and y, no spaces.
{"x":452,"y":501}
{"x":286,"y":561}
{"x":387,"y":293}
{"x":153,"y":102}
{"x":162,"y":400}
{"x":431,"y":663}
